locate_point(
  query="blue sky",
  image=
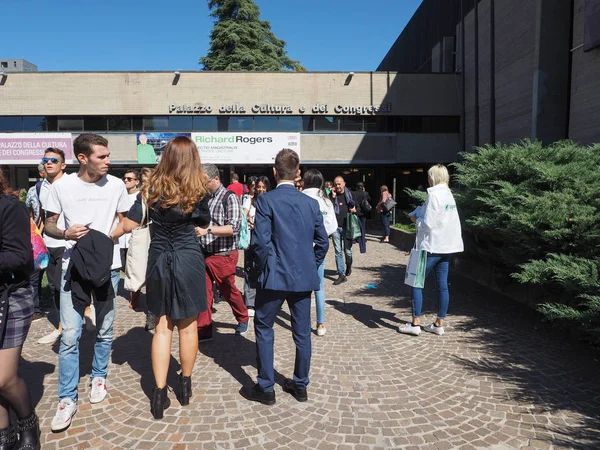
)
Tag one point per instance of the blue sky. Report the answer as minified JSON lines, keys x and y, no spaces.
{"x":84,"y":35}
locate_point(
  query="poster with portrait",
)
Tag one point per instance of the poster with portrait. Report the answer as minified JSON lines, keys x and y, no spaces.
{"x":150,"y":146}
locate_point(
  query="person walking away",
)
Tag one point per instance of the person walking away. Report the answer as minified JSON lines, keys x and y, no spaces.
{"x":175,"y":282}
{"x":290,"y":243}
{"x":220,"y":245}
{"x":16,"y":311}
{"x":236,"y":187}
{"x":439,"y":234}
{"x":385,"y":216}
{"x":262,"y":185}
{"x":314,"y":188}
{"x":89,"y":200}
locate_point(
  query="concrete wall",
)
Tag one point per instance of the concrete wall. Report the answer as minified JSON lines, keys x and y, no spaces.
{"x":151,"y":93}
{"x":584,"y":119}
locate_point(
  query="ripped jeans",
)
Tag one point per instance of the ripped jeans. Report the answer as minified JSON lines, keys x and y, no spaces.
{"x":72,"y":322}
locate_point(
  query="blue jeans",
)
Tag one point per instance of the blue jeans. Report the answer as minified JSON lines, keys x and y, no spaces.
{"x":441,"y":263}
{"x":320,"y":294}
{"x":268,"y":304}
{"x":385,"y":222}
{"x":339,"y":236}
{"x":68,"y":353}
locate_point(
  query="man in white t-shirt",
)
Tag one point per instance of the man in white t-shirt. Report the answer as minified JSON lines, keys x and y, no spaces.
{"x":89,"y":199}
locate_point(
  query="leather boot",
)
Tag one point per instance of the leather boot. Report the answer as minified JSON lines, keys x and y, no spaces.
{"x":160,"y":402}
{"x":348,"y":267}
{"x":29,"y":433}
{"x":185,"y":389}
{"x":8,"y":438}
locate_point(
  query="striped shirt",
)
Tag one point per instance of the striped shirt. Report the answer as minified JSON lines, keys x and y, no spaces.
{"x":220,"y":216}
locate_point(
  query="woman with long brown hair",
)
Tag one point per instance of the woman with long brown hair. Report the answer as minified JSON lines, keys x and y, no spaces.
{"x":16,"y":312}
{"x":176,"y":199}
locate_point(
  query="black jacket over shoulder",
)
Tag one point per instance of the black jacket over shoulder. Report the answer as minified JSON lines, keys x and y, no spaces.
{"x":89,"y":270}
{"x":16,"y":255}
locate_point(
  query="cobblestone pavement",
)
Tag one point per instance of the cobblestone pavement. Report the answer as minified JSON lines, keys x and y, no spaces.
{"x":497,"y":379}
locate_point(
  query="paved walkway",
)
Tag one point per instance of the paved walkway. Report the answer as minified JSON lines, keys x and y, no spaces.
{"x":496,"y":380}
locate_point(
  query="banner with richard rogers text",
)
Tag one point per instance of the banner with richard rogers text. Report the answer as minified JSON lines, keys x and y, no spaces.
{"x":244,"y":148}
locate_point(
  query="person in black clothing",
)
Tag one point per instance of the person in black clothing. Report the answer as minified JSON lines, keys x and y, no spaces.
{"x":16,"y":312}
{"x":177,"y":200}
{"x":343,"y":204}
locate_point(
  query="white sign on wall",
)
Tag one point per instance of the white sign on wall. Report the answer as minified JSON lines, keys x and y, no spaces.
{"x":244,"y":148}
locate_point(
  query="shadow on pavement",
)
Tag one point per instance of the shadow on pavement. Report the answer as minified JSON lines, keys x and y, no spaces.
{"x":544,"y":371}
{"x":34,"y":373}
{"x":135,"y":348}
{"x":366,"y":314}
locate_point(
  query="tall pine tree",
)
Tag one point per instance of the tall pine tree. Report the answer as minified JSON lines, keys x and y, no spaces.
{"x":241,"y":41}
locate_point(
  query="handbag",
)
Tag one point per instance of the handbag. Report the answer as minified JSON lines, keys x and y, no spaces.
{"x":40,"y":251}
{"x":352,"y":227}
{"x":388,"y":205}
{"x":416,"y":268}
{"x":137,"y":254}
{"x":365,"y":206}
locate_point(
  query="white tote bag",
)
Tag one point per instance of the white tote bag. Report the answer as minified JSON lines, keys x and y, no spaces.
{"x":137,"y":254}
{"x":416,"y":267}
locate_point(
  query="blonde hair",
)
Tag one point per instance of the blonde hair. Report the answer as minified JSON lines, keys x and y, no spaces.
{"x":438,"y":174}
{"x":384,"y":188}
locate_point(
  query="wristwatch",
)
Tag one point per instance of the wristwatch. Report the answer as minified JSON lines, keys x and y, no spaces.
{"x":209,"y":231}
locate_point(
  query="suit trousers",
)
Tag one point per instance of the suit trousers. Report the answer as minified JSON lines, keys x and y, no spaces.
{"x":221,"y":270}
{"x":268,"y":305}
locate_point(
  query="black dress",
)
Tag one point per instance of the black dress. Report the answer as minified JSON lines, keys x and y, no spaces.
{"x":175,"y":277}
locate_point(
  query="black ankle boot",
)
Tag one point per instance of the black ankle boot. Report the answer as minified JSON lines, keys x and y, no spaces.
{"x":160,"y":402}
{"x":29,"y":433}
{"x":8,"y":438}
{"x":185,"y":389}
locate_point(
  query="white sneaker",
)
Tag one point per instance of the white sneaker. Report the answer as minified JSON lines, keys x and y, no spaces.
{"x":431,"y":328}
{"x":50,"y":338}
{"x":321,"y":330}
{"x":90,"y":321}
{"x":250,"y":312}
{"x":409,"y":329}
{"x":98,"y":391}
{"x":65,"y":411}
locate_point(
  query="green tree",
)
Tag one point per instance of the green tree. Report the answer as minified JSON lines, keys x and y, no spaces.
{"x":240,"y":41}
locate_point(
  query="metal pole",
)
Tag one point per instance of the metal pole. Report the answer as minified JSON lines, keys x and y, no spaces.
{"x":476,"y":60}
{"x":463,"y":124}
{"x":394,"y":197}
{"x":492,"y":74}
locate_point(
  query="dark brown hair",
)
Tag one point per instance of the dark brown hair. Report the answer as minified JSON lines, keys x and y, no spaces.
{"x":287,"y":164}
{"x":135,"y":173}
{"x":84,"y":142}
{"x":235,"y":177}
{"x":178,"y":180}
{"x":58,"y":151}
{"x":4,"y":187}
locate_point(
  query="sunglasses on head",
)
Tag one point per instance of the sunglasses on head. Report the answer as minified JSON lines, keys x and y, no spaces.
{"x":52,"y":160}
{"x":129,"y":179}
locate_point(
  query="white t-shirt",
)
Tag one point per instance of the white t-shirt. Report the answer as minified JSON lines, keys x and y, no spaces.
{"x":92,"y":204}
{"x":44,"y":196}
{"x":326,"y":207}
{"x":124,"y":240}
{"x":247,"y":204}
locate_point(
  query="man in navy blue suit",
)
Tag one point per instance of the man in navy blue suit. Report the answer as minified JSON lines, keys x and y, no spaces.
{"x":290,"y":244}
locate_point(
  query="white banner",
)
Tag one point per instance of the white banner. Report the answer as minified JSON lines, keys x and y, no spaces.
{"x":244,"y":148}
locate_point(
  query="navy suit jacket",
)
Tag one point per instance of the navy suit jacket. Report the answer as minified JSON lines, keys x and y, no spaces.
{"x":286,"y":224}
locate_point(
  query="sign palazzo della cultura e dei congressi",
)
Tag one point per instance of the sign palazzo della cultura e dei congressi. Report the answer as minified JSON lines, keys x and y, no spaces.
{"x":244,"y":148}
{"x":318,"y":108}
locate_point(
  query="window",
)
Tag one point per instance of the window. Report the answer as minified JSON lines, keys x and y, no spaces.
{"x":265,"y":123}
{"x":120,"y":123}
{"x":325,"y":123}
{"x":351,"y":124}
{"x":180,"y":123}
{"x":156,"y":123}
{"x":14,"y":64}
{"x":70,"y":124}
{"x":290,"y":123}
{"x":377,"y":124}
{"x":51,"y":123}
{"x":4,"y":64}
{"x":137,"y":123}
{"x":34,"y":123}
{"x":240,"y":123}
{"x":222,"y":123}
{"x":94,"y":123}
{"x":205,"y":123}
{"x":11,"y":123}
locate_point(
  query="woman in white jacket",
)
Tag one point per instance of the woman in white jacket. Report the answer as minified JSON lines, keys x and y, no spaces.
{"x":314,"y":188}
{"x":439,"y":234}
